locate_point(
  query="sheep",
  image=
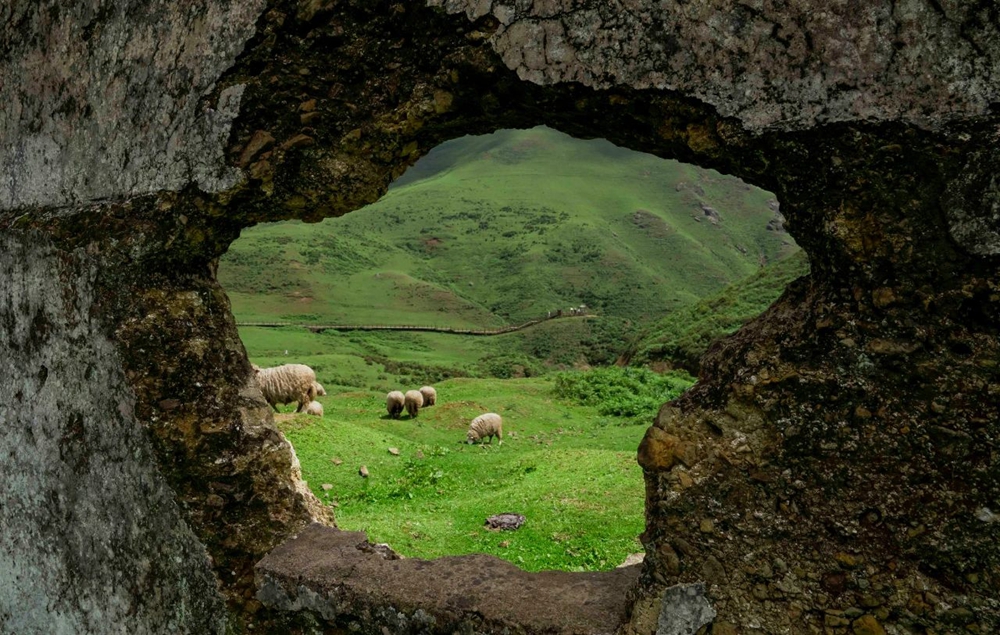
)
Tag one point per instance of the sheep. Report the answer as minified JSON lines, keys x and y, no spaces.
{"x":430,"y":395}
{"x":413,"y":400}
{"x":394,"y":403}
{"x":287,"y":383}
{"x":314,"y":408}
{"x":320,"y":391}
{"x":485,"y":425}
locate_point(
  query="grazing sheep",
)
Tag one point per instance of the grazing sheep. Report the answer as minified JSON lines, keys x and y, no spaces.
{"x":314,"y":408}
{"x":413,"y":400}
{"x":485,"y":425}
{"x":430,"y":395}
{"x":320,"y":391}
{"x":287,"y":383}
{"x":394,"y":403}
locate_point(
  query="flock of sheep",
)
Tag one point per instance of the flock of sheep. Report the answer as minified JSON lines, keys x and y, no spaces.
{"x":297,"y":383}
{"x":484,"y":426}
{"x":412,"y":401}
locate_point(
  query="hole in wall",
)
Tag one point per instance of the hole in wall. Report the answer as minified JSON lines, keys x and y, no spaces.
{"x":622,"y":266}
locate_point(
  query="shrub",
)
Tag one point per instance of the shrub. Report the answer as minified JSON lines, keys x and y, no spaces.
{"x":635,"y":394}
{"x":508,"y":366}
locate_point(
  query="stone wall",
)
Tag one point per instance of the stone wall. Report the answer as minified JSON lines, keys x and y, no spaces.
{"x":93,"y":539}
{"x":782,"y":65}
{"x":103,"y":99}
{"x":836,"y":467}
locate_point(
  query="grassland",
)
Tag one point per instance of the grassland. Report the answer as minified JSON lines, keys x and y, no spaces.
{"x":681,"y":337}
{"x":502,"y":228}
{"x":485,"y":232}
{"x":569,"y":469}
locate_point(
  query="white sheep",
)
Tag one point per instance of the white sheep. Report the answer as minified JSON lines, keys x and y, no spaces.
{"x":314,"y":408}
{"x":413,"y":400}
{"x":287,"y":383}
{"x":429,"y":394}
{"x":485,"y":425}
{"x":394,"y":403}
{"x":320,"y":391}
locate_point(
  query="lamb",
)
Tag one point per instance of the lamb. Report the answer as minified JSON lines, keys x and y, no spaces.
{"x":320,"y":391}
{"x":429,"y":394}
{"x":485,"y":425}
{"x":413,"y":400}
{"x":394,"y":403}
{"x":287,"y":383}
{"x":314,"y":408}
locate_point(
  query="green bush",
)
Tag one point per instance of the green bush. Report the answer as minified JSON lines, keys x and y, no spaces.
{"x":635,"y":394}
{"x":508,"y":366}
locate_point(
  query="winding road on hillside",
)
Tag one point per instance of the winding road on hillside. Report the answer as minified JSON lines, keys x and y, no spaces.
{"x":319,"y":328}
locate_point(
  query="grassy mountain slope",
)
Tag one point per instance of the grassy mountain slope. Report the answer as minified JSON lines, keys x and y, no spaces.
{"x":500,"y":228}
{"x":683,"y":336}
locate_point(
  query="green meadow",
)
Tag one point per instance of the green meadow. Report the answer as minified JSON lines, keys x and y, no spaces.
{"x":568,"y":469}
{"x":502,"y":228}
{"x":492,"y":231}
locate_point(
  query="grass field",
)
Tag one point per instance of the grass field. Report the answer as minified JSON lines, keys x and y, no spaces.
{"x":681,"y":337}
{"x":570,"y":470}
{"x":501,"y":228}
{"x":491,"y":231}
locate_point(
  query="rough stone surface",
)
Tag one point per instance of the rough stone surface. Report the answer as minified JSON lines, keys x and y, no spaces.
{"x":92,"y":537}
{"x":769,"y":64}
{"x":684,"y":610}
{"x":104,"y":99}
{"x":340,"y":577}
{"x":148,"y":297}
{"x":843,"y":444}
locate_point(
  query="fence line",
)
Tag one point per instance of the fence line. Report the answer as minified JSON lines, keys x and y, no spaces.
{"x":319,"y":328}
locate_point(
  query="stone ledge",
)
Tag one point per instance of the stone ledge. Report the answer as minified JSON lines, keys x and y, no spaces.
{"x":340,"y":577}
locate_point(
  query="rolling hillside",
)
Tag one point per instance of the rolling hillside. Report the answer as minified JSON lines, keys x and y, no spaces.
{"x":679,"y":339}
{"x":492,"y":230}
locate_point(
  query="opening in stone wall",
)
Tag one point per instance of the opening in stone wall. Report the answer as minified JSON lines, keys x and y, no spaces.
{"x":623,"y":267}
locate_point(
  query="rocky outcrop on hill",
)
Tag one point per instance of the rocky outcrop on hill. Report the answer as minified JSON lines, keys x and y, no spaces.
{"x":834,"y":466}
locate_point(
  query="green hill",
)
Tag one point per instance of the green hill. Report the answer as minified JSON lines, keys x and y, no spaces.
{"x":682,"y":337}
{"x":492,"y":230}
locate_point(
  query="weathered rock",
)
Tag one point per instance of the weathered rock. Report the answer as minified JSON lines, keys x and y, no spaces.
{"x":120,"y":110}
{"x":858,"y":414}
{"x":83,"y":500}
{"x":867,"y":625}
{"x":505,"y":522}
{"x":658,"y":450}
{"x":260,"y":141}
{"x":683,"y":610}
{"x":632,"y":559}
{"x":339,"y":576}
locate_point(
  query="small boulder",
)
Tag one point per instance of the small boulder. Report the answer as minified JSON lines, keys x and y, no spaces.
{"x":505,"y":522}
